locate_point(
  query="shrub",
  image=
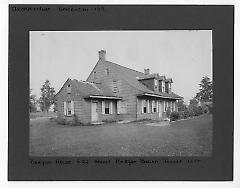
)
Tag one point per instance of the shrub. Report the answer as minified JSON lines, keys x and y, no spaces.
{"x":109,"y":121}
{"x":62,"y":121}
{"x":168,"y":112}
{"x":184,"y":114}
{"x":174,"y":116}
{"x":75,"y":120}
{"x":210,"y":108}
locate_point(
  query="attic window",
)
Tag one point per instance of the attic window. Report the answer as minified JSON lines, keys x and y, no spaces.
{"x":107,"y":71}
{"x":94,"y":75}
{"x":115,"y":88}
{"x":68,"y":88}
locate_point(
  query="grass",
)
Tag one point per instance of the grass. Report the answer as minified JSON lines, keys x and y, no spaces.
{"x":34,"y":115}
{"x":192,"y":137}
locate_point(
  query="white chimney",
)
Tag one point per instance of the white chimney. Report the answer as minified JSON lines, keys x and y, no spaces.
{"x":146,"y":71}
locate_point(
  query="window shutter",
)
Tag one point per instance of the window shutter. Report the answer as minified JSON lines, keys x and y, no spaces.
{"x":157,"y":107}
{"x":174,"y":106}
{"x":65,"y":108}
{"x":72,"y":107}
{"x":148,"y":106}
{"x":103,"y":107}
{"x":143,"y":105}
{"x":111,"y":107}
{"x":164,"y":106}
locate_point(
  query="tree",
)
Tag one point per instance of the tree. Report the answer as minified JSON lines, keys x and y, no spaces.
{"x":47,"y":96}
{"x":181,"y":106}
{"x":206,"y":90}
{"x":193,"y":107}
{"x":32,"y":102}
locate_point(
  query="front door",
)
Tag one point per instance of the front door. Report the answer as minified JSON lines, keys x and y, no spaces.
{"x":94,"y":111}
{"x":160,"y":110}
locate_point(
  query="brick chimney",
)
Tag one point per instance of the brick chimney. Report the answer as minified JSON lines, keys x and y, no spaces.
{"x":102,"y":55}
{"x":146,"y":71}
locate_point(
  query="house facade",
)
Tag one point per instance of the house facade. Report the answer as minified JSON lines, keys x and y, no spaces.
{"x":113,"y":93}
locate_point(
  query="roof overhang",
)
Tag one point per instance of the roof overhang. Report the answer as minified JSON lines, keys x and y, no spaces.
{"x":158,"y":96}
{"x":103,"y":97}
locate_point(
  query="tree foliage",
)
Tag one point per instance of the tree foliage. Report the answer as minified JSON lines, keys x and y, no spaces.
{"x":47,"y":96}
{"x":205,"y":93}
{"x":181,"y":106}
{"x":32,"y":102}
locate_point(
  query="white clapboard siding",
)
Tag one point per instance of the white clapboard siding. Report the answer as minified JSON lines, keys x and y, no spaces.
{"x":103,"y":107}
{"x":65,"y":108}
{"x":72,"y":107}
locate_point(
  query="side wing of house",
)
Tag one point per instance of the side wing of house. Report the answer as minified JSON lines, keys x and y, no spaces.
{"x":70,"y":102}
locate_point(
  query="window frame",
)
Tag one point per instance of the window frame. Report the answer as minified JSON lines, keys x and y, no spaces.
{"x":69,"y":89}
{"x":69,"y":108}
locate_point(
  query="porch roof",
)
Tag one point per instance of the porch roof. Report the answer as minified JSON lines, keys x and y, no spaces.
{"x":103,"y":97}
{"x":159,"y":96}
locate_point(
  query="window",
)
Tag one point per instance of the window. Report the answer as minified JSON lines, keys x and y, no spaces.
{"x":94,"y":75}
{"x":144,"y":106}
{"x":107,"y":107}
{"x":169,"y":87}
{"x":68,"y":88}
{"x":164,"y":106}
{"x":68,"y":108}
{"x":163,"y":86}
{"x":155,"y":82}
{"x":115,"y":87}
{"x":154,"y":108}
{"x":107,"y":71}
{"x":69,"y":111}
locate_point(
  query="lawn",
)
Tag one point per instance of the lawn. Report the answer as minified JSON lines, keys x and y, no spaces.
{"x":192,"y":137}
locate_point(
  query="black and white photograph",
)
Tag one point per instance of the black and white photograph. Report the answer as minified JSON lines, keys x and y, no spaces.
{"x":120,"y":93}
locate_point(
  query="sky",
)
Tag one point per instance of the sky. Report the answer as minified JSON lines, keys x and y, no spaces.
{"x":183,"y":55}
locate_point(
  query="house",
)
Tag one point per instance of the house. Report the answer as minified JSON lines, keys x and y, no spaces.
{"x":113,"y":92}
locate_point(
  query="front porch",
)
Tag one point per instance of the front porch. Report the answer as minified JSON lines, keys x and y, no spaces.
{"x":154,"y":107}
{"x":103,"y":109}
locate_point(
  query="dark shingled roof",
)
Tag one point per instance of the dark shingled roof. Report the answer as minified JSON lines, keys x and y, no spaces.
{"x":86,"y":89}
{"x":131,"y":77}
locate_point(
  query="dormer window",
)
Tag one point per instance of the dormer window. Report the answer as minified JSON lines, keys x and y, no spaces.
{"x":166,"y":87}
{"x":163,"y":86}
{"x":155,"y":82}
{"x":68,"y":88}
{"x":169,"y":87}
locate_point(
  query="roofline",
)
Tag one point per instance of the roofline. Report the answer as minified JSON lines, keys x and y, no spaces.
{"x":103,"y":97}
{"x":159,"y":96}
{"x":61,"y":88}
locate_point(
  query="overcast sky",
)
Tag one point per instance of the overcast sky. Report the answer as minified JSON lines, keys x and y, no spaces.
{"x":185,"y":56}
